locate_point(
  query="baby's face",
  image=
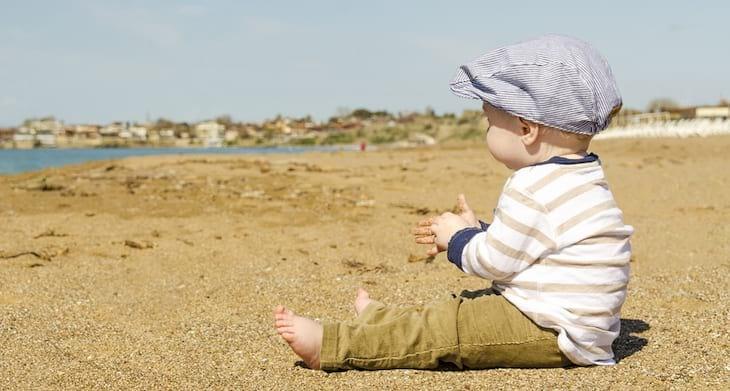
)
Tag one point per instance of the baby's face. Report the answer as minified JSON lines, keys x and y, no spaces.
{"x":503,"y":137}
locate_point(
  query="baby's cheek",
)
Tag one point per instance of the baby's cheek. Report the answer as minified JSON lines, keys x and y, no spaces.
{"x":493,"y":145}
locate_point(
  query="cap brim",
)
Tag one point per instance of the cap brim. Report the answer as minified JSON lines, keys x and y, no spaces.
{"x":467,"y":89}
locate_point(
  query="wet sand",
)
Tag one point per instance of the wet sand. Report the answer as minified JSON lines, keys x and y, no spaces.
{"x":161,"y":272}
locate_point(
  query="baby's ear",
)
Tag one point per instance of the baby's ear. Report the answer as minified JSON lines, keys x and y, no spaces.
{"x":530,"y":131}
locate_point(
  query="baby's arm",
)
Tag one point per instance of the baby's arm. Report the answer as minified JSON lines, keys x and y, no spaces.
{"x":519,"y":235}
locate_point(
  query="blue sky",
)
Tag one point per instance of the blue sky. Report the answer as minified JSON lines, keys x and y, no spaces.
{"x":100,"y":61}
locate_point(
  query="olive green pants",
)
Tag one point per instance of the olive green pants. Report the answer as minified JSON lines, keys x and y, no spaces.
{"x":474,"y":330}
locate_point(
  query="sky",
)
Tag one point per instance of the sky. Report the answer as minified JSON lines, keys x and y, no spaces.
{"x":102,"y":61}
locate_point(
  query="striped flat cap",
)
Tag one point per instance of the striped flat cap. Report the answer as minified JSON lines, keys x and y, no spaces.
{"x":553,"y":80}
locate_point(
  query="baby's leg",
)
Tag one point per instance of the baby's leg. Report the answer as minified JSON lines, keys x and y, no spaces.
{"x":304,"y":335}
{"x":369,"y":310}
{"x":382,"y":337}
{"x":387,"y":337}
{"x":480,"y":331}
{"x":372,"y":311}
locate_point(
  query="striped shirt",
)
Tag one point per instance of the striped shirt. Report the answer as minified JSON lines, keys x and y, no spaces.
{"x":558,"y":250}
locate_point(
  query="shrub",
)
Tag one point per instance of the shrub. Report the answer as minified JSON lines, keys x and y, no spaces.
{"x":303,"y":141}
{"x":339,"y":138}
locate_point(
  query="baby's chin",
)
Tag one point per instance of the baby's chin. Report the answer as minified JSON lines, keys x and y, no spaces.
{"x":512,"y":164}
{"x":515,"y":167}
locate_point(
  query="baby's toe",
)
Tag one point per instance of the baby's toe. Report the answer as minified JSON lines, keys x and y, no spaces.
{"x":283,"y":322}
{"x":288,"y":336}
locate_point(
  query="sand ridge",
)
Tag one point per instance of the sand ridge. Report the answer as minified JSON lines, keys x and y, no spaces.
{"x":161,"y":272}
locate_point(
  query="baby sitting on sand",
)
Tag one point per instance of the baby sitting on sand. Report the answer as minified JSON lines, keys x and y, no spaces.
{"x":557,"y":252}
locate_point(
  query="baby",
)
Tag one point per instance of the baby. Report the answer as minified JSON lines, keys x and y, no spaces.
{"x":557,"y":251}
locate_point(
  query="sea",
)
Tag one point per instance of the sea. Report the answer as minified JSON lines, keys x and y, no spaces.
{"x":23,"y":160}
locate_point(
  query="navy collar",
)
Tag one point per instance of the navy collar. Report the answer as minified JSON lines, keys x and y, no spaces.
{"x":591,"y":157}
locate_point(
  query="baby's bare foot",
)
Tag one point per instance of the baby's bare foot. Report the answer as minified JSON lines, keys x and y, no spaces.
{"x":362,"y":300}
{"x":303,"y":335}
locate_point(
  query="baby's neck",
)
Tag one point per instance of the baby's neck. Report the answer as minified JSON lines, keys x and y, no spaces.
{"x":574,"y":155}
{"x":549,"y":151}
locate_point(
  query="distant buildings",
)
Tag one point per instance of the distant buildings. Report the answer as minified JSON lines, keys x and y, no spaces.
{"x":38,"y":132}
{"x":704,"y":112}
{"x":637,"y":118}
{"x":356,"y":126}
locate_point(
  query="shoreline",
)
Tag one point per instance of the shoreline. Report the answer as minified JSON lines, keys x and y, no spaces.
{"x":66,"y":156}
{"x":283,"y":149}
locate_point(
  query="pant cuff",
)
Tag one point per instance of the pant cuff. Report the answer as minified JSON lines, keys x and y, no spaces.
{"x":328,"y":351}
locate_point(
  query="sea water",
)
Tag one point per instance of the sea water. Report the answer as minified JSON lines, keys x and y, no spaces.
{"x":23,"y":160}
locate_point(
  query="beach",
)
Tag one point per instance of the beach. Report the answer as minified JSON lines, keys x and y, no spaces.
{"x":162,"y":271}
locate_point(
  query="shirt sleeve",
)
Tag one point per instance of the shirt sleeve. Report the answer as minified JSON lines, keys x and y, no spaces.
{"x":519,"y":235}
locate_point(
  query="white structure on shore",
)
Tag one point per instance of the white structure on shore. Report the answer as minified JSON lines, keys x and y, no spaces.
{"x":211,"y":133}
{"x":701,"y":127}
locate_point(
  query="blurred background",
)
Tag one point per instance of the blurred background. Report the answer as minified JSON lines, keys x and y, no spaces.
{"x":215,"y":73}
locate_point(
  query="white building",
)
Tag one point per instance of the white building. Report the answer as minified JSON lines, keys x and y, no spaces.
{"x":112,"y":130}
{"x":713,"y":112}
{"x":45,"y":125}
{"x":210,"y":133}
{"x":138,"y":132}
{"x":23,"y":138}
{"x":45,"y":138}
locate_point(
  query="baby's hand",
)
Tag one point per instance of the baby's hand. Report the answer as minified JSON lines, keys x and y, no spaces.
{"x":438,"y":231}
{"x":445,"y":226}
{"x":424,"y":235}
{"x":465,"y":211}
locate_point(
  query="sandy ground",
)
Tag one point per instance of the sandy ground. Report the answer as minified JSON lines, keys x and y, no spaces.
{"x":162,"y":272}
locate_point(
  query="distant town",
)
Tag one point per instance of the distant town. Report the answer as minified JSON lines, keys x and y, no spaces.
{"x":350,"y":126}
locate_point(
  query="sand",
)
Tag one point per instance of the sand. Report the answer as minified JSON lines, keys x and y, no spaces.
{"x":161,"y":272}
